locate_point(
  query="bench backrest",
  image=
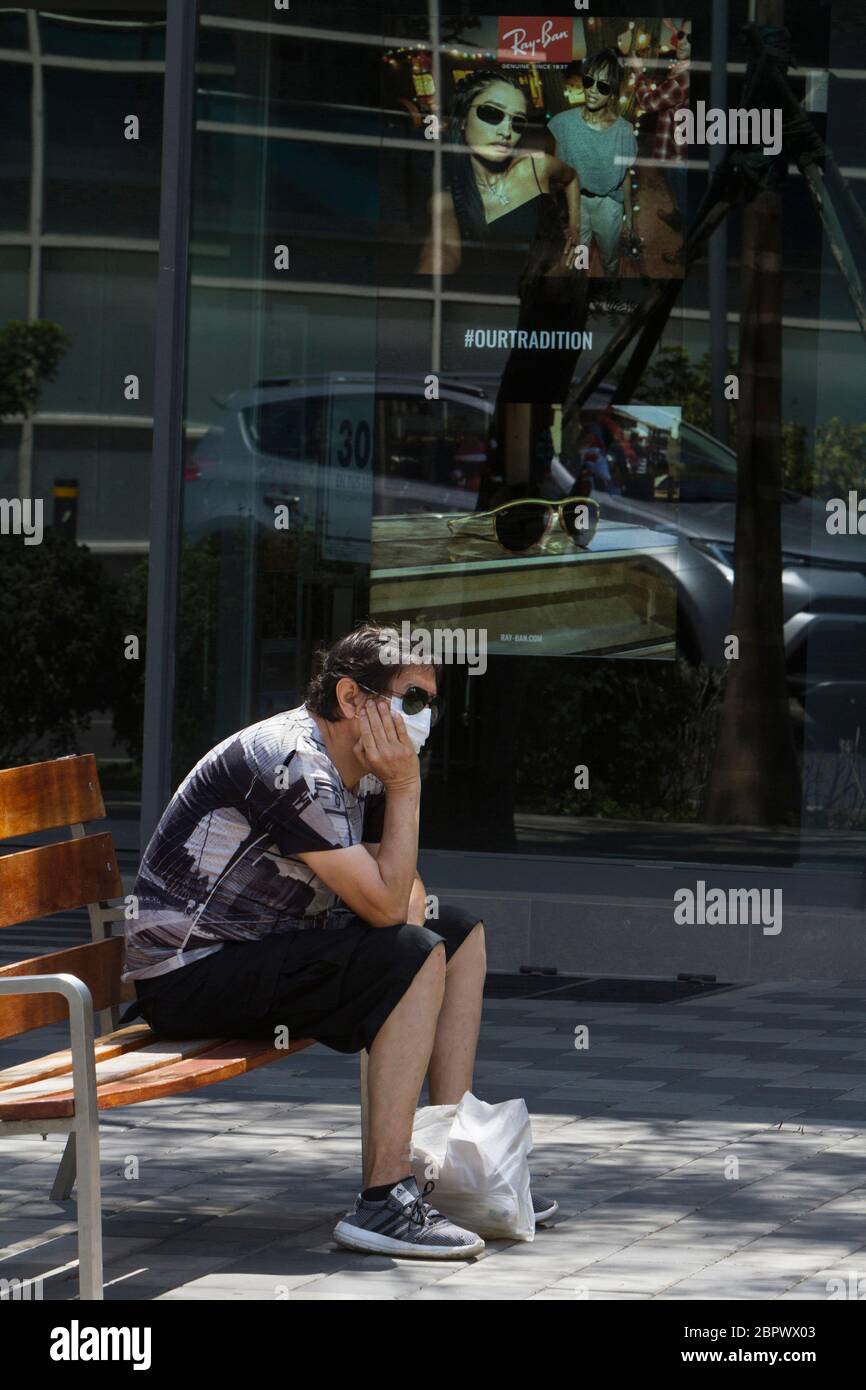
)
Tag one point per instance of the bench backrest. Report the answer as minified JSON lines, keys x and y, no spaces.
{"x":66,"y":874}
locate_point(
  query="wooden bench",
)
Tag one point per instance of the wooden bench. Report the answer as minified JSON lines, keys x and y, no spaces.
{"x":64,"y":1091}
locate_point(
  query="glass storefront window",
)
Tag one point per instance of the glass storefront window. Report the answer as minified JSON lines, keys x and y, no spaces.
{"x":79,"y":216}
{"x":383,"y":354}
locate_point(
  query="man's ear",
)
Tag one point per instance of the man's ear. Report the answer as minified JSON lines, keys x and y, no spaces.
{"x":350,"y":697}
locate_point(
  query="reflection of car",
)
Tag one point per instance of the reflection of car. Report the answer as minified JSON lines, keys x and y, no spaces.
{"x":824,"y":577}
{"x":277,"y":438}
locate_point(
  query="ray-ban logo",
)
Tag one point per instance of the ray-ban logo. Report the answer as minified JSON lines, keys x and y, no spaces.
{"x":531,"y":39}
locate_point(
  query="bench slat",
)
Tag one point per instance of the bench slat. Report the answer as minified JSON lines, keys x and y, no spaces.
{"x":56,"y":1063}
{"x":42,"y":796}
{"x":98,"y":964}
{"x":218,"y":1064}
{"x":72,"y":873}
{"x":128,"y":1064}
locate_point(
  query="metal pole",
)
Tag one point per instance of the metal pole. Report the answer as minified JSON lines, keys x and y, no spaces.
{"x":436,"y":66}
{"x":168,"y":404}
{"x":37,"y":203}
{"x":717,"y":250}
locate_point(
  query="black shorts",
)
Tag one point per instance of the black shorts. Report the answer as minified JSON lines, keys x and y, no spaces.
{"x":334,"y":984}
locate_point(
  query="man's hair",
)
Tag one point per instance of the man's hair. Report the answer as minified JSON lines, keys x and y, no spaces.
{"x":605,"y":64}
{"x":370,"y":654}
{"x":573,"y":70}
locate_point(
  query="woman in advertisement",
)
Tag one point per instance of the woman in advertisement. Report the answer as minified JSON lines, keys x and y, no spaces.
{"x":495,"y":194}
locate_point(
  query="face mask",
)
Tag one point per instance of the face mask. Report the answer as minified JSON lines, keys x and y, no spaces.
{"x":417,"y":725}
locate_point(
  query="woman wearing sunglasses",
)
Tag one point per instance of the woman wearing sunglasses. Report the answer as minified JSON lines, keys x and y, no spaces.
{"x":601,"y":146}
{"x":495,"y":194}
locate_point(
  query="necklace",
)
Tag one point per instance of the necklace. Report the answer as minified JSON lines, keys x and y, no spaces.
{"x":494,"y":190}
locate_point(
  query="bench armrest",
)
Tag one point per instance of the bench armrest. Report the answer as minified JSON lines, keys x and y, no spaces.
{"x":80,"y":1001}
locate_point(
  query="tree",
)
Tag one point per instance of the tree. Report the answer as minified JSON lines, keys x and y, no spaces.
{"x":60,"y":638}
{"x":29,"y":355}
{"x":755,"y":778}
{"x":675,"y":377}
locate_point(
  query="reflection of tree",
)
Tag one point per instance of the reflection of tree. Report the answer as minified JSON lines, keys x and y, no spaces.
{"x":645,"y":730}
{"x":61,"y":639}
{"x":30,"y":353}
{"x":755,"y":778}
{"x":827,"y":464}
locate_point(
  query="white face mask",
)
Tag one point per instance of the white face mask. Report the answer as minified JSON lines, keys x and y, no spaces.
{"x":417,"y":725}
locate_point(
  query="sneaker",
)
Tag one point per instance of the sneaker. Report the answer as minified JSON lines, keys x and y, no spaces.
{"x":544,"y":1208}
{"x":404,"y":1224}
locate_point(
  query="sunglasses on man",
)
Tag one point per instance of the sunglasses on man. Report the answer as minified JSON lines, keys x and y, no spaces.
{"x":521,"y":524}
{"x":413,"y":699}
{"x":600,"y":85}
{"x":491,"y":114}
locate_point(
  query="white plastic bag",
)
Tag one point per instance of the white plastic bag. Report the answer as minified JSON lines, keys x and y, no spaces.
{"x":478,"y":1156}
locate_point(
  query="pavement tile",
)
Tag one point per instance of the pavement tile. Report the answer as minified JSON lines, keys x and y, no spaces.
{"x":240,"y":1185}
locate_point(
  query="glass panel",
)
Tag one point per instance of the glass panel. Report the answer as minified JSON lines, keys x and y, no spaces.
{"x":75,"y":456}
{"x":97,"y":163}
{"x":15,"y":169}
{"x":391,"y":353}
{"x":114,"y":293}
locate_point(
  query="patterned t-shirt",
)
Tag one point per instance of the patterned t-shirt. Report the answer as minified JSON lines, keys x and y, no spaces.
{"x":220,"y":865}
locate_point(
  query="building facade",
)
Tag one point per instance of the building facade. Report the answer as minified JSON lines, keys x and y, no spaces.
{"x":306,"y":365}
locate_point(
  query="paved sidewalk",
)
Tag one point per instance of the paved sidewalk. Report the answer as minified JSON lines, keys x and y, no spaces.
{"x":711,"y":1149}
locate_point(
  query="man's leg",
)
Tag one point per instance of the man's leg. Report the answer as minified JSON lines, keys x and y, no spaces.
{"x":398,"y":1061}
{"x":452,"y":1061}
{"x":607,"y":225}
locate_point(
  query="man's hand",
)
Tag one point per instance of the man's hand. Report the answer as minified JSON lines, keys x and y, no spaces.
{"x":573,"y":244}
{"x":384,"y":746}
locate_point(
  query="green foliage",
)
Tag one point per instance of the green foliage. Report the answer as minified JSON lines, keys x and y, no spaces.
{"x":835,"y":462}
{"x":645,"y":729}
{"x":840,"y":458}
{"x":29,"y":355}
{"x":673,"y":378}
{"x":59,"y":635}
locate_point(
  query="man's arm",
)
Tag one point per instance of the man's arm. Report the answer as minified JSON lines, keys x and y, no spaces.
{"x":417,"y":913}
{"x":379,"y":888}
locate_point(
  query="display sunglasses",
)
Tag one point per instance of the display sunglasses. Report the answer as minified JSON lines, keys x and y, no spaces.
{"x":520,"y":524}
{"x":604,"y":87}
{"x":490,"y":114}
{"x":415,"y":699}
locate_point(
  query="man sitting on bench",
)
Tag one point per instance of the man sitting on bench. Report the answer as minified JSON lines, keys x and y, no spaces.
{"x":279,"y":891}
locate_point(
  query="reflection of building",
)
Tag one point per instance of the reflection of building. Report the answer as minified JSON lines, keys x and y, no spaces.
{"x":292,"y":145}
